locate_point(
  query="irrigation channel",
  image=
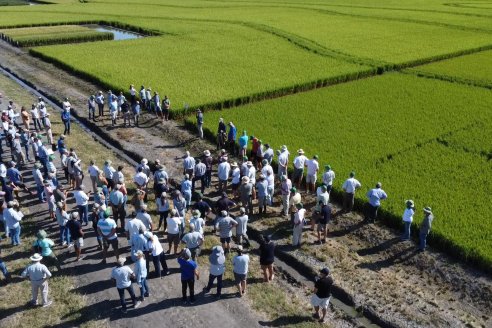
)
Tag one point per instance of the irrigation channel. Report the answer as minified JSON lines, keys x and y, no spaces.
{"x":297,"y":275}
{"x":118,"y":34}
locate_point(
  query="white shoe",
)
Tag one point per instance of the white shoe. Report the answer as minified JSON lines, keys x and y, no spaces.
{"x":48,"y":304}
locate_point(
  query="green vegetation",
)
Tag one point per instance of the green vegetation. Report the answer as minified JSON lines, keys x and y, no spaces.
{"x":37,"y":36}
{"x":377,"y":126}
{"x":474,"y":69}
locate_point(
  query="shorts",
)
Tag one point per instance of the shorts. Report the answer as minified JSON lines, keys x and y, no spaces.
{"x":311,"y":178}
{"x":321,"y":226}
{"x":79,"y":242}
{"x":112,"y":242}
{"x":173,"y":238}
{"x":297,"y":174}
{"x":321,"y":302}
{"x":225,"y":240}
{"x":238,"y":277}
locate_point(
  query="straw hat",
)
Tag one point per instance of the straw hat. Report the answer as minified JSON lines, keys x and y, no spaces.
{"x":36,"y":257}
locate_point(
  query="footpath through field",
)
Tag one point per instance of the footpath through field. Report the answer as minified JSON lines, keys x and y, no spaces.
{"x":366,"y":257}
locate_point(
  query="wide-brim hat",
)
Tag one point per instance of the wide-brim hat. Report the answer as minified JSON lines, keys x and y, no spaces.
{"x":206,"y":153}
{"x":36,"y":257}
{"x":245,"y":179}
{"x":409,"y":202}
{"x":234,"y":164}
{"x":428,"y":210}
{"x":300,"y":151}
{"x":284,"y":147}
{"x":249,"y":163}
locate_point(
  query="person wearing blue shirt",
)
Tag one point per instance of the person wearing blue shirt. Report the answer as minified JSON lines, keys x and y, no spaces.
{"x":186,"y":190}
{"x":231,"y":138}
{"x":375,"y":197}
{"x":141,"y":275}
{"x":188,"y":269}
{"x":243,"y":143}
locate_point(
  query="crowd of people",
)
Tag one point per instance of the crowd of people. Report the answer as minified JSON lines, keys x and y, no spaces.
{"x":184,"y":216}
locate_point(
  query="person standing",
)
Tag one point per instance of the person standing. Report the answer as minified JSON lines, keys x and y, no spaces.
{"x":82,"y":201}
{"x":242,"y":227}
{"x":188,"y":164}
{"x":62,"y":219}
{"x":91,"y":104}
{"x":231,"y":138}
{"x":117,"y":202}
{"x":221,"y":134}
{"x":100,"y":103}
{"x":349,"y":187}
{"x":267,"y":257}
{"x":299,"y":222}
{"x":328,"y":178}
{"x":43,"y":245}
{"x":223,"y":172}
{"x":285,"y":187}
{"x":322,"y":294}
{"x":407,"y":219}
{"x":425,"y":228}
{"x":162,"y":203}
{"x":143,"y":96}
{"x":375,"y":197}
{"x":76,"y":233}
{"x":35,"y":117}
{"x":174,"y":223}
{"x":325,"y":217}
{"x":224,"y":226}
{"x":122,"y":275}
{"x":189,"y":271}
{"x":158,"y":256}
{"x":107,"y":229}
{"x":240,"y":264}
{"x":199,"y":123}
{"x":299,"y":164}
{"x":38,"y":274}
{"x":93,"y":171}
{"x":217,"y":269}
{"x":166,"y":107}
{"x":193,"y":241}
{"x":140,"y":270}
{"x":283,"y":161}
{"x":243,"y":144}
{"x":200,"y":175}
{"x":65,"y":116}
{"x":13,"y":217}
{"x":312,"y":174}
{"x":132,"y":227}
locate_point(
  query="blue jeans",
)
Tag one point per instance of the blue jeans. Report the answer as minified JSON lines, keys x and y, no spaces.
{"x":26,"y":148}
{"x":15,"y":235}
{"x":64,"y":235}
{"x":83,"y":212}
{"x":121,"y":292}
{"x":40,"y":192}
{"x":144,"y":288}
{"x":423,"y":239}
{"x":3,"y":268}
{"x":187,"y":197}
{"x":406,"y":230}
{"x":67,"y":127}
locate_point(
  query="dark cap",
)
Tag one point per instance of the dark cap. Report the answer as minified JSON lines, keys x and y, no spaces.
{"x":325,"y":271}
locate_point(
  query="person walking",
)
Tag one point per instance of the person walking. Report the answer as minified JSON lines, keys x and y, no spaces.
{"x":123,"y":276}
{"x":375,"y":197}
{"x":425,"y":228}
{"x":349,"y":187}
{"x":140,"y":271}
{"x":322,"y":294}
{"x":267,"y":257}
{"x":188,"y":269}
{"x":38,"y":274}
{"x":240,"y":264}
{"x":217,"y":269}
{"x":407,"y":219}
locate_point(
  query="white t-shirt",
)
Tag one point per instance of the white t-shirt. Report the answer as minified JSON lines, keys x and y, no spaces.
{"x":328,"y":177}
{"x":133,"y":226}
{"x":140,"y":178}
{"x":173,"y":224}
{"x":408,"y":215}
{"x":350,"y":185}
{"x":236,"y":176}
{"x":312,"y":166}
{"x":155,"y":246}
{"x":198,"y":223}
{"x":81,"y":197}
{"x":300,"y":161}
{"x":240,"y":264}
{"x":93,"y":171}
{"x":122,"y":276}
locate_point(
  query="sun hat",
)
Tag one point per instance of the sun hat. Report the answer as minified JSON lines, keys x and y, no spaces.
{"x":249,"y":163}
{"x":245,"y":179}
{"x":144,"y":161}
{"x":234,"y":164}
{"x":187,"y":253}
{"x":36,"y":257}
{"x":239,"y":247}
{"x":217,"y":256}
{"x":206,"y":152}
{"x":223,"y":213}
{"x":409,"y":202}
{"x":196,"y":213}
{"x":300,"y":151}
{"x":121,"y":260}
{"x":60,"y":204}
{"x":428,"y":210}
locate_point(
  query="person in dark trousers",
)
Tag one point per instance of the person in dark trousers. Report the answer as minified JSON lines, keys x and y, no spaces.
{"x":322,"y":294}
{"x":267,"y":257}
{"x":217,"y":269}
{"x":122,"y":275}
{"x":324,"y":219}
{"x":189,"y":271}
{"x":374,"y":196}
{"x":425,"y":228}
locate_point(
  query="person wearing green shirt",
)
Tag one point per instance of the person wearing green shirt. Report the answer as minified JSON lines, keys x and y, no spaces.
{"x":43,"y":245}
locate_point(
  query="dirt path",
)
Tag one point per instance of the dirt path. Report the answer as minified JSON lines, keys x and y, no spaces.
{"x":382,"y":275}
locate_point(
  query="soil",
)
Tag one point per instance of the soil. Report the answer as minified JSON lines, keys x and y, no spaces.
{"x":383,"y":275}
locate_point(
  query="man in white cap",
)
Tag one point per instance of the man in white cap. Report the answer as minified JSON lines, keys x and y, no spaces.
{"x":38,"y":274}
{"x":122,"y":275}
{"x":299,"y":164}
{"x":425,"y":228}
{"x":407,"y":219}
{"x":322,"y":294}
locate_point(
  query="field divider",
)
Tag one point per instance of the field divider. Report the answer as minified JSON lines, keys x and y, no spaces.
{"x":448,"y":78}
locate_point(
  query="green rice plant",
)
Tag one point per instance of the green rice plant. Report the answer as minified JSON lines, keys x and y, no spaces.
{"x":37,"y":36}
{"x":473,"y":69}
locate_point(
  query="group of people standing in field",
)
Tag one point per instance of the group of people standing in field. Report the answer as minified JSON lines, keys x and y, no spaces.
{"x":129,"y":109}
{"x":182,"y":213}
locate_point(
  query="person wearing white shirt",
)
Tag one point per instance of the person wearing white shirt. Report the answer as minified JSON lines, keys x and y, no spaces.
{"x":283,"y":161}
{"x":349,"y":187}
{"x":35,"y":117}
{"x":299,"y":222}
{"x":13,"y":217}
{"x":140,"y":178}
{"x":82,"y":201}
{"x":266,"y":167}
{"x":407,"y":219}
{"x":312,"y":173}
{"x":236,"y":178}
{"x":158,"y":255}
{"x":270,"y":177}
{"x":299,"y":164}
{"x":93,"y":171}
{"x":328,"y":178}
{"x":223,"y":171}
{"x":251,"y":173}
{"x":197,"y":222}
{"x":132,"y":227}
{"x":174,"y":222}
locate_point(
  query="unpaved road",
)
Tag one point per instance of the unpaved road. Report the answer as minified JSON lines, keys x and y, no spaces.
{"x":403,"y":287}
